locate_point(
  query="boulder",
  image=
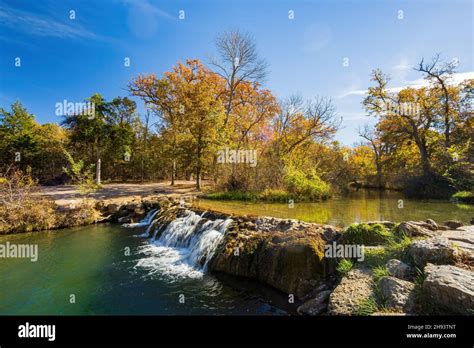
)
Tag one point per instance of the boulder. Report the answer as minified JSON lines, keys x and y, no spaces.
{"x":450,"y":287}
{"x":399,"y":269}
{"x":462,"y":239}
{"x":277,"y":252}
{"x":124,"y":219}
{"x":453,"y":224}
{"x":113,"y":208}
{"x":438,"y":250}
{"x":316,"y":305}
{"x":416,"y":229}
{"x":131,"y":206}
{"x":398,"y":293}
{"x":433,"y":224}
{"x":355,"y":287}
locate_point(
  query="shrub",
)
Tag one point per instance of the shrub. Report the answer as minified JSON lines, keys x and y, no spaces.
{"x":306,"y":185}
{"x":275,"y":195}
{"x":367,"y":235}
{"x":464,"y":197}
{"x":20,"y":209}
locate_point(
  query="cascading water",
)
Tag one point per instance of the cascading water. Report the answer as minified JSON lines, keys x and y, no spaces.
{"x":184,"y":247}
{"x":145,"y":222}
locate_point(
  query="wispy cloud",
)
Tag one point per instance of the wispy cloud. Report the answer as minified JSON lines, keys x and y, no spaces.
{"x":34,"y":24}
{"x":149,"y":8}
{"x":456,"y":79}
{"x":316,"y":37}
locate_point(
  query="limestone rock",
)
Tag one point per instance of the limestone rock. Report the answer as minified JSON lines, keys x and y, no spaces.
{"x":286,"y":254}
{"x":398,"y":293}
{"x":438,"y":250}
{"x":451,"y":287}
{"x":454,"y":224}
{"x":416,"y":229}
{"x":462,"y":239}
{"x":316,"y":305}
{"x":399,"y":269}
{"x":355,"y":287}
{"x":113,"y":208}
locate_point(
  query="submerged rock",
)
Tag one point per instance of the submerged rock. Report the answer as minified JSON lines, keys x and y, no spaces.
{"x":355,"y":287}
{"x":398,"y":293}
{"x":451,"y":287}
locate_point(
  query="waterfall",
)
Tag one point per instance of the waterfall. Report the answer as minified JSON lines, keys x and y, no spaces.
{"x":145,"y":221}
{"x":184,"y":247}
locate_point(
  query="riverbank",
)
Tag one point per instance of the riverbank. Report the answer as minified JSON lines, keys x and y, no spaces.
{"x":415,"y":267}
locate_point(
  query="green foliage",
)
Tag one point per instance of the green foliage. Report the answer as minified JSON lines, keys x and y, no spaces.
{"x":306,"y":185}
{"x":367,"y":307}
{"x":275,"y":195}
{"x":464,"y":197}
{"x":377,"y":256}
{"x":344,"y":266}
{"x":268,"y":195}
{"x":367,"y":235}
{"x":379,"y":272}
{"x":83,"y":175}
{"x":232,"y":196}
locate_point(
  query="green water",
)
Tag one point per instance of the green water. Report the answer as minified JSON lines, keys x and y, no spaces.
{"x":90,"y":263}
{"x":356,"y":206}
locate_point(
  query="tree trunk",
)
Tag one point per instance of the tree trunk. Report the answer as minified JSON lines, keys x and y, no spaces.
{"x":173,"y":173}
{"x":97,"y":172}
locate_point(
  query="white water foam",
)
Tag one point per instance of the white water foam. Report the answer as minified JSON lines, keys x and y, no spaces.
{"x":145,"y":221}
{"x":184,"y":247}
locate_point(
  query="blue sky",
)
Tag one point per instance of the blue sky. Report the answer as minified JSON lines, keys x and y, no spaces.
{"x":70,"y":59}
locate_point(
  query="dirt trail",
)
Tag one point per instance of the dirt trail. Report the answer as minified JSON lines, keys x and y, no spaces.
{"x":68,"y":194}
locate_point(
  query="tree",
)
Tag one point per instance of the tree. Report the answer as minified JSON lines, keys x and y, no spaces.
{"x":238,"y":63}
{"x":90,"y":132}
{"x":187,"y":101}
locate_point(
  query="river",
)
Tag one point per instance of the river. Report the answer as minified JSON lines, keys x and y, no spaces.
{"x":108,"y":269}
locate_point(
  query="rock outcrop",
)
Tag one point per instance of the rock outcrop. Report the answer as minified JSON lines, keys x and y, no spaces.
{"x":438,"y":250}
{"x":450,"y":287}
{"x":286,"y":254}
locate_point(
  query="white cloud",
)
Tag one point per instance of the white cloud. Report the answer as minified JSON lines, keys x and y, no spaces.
{"x":457,"y":78}
{"x":33,"y":24}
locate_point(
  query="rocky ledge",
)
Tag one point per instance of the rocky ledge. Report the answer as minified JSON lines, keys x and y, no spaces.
{"x":425,"y":268}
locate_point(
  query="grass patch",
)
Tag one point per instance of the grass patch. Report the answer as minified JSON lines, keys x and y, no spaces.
{"x":268,"y":195}
{"x":232,"y":196}
{"x":464,"y":197}
{"x":344,"y":266}
{"x":379,"y":272}
{"x":367,"y":306}
{"x":364,"y":234}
